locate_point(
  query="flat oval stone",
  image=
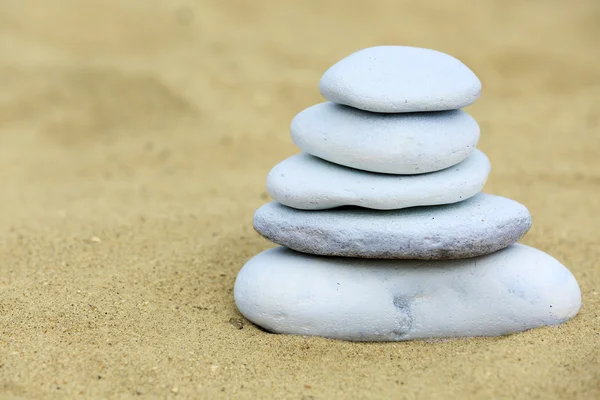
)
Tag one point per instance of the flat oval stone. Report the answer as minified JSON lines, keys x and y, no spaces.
{"x":513,"y":290}
{"x":387,"y":143}
{"x":398,"y":79}
{"x":309,"y":183}
{"x":480,"y":225}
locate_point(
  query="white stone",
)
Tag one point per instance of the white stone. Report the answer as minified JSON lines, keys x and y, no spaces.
{"x":387,"y":143}
{"x":309,"y":183}
{"x":480,"y":225}
{"x":398,"y":79}
{"x":513,"y":290}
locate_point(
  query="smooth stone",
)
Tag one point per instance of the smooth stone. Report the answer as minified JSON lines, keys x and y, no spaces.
{"x":480,"y":225}
{"x":513,"y":290}
{"x":398,"y":79}
{"x":387,"y":143}
{"x":309,"y":183}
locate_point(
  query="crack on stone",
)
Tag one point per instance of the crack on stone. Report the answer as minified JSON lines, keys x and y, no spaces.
{"x":403,"y":305}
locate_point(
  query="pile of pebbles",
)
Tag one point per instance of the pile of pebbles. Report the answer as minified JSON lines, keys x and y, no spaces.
{"x":384,"y":232}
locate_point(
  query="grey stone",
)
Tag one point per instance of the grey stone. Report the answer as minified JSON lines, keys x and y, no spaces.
{"x":309,"y":183}
{"x":413,"y":143}
{"x":513,"y":290}
{"x":480,"y":225}
{"x":397,"y":79}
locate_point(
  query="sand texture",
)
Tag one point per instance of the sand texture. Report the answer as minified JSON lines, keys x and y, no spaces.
{"x":135,"y":140}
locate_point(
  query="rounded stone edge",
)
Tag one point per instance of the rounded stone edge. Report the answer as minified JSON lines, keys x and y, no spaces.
{"x":460,"y":102}
{"x":307,"y":239}
{"x":324,"y":202}
{"x":339,"y":92}
{"x":251,"y":308}
{"x":317,"y":150}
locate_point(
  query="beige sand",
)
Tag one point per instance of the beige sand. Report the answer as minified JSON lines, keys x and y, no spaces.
{"x":135,"y":140}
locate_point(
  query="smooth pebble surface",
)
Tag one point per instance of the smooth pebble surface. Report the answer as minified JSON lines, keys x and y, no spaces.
{"x":480,"y":225}
{"x":398,"y":79}
{"x":309,"y":183}
{"x":513,"y":290}
{"x":413,"y":143}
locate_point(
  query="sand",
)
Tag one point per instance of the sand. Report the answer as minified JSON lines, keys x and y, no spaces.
{"x":135,"y":141}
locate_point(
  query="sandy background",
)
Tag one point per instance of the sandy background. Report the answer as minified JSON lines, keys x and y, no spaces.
{"x":135,"y":137}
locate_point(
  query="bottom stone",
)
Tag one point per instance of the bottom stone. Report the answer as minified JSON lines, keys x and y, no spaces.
{"x":512,"y":290}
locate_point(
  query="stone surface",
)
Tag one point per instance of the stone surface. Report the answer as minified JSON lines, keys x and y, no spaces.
{"x":480,"y":225}
{"x":513,"y":290}
{"x":309,"y":183}
{"x":398,"y":79}
{"x":413,"y":143}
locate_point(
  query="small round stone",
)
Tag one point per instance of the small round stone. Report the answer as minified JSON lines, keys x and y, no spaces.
{"x":513,"y":290}
{"x":480,"y":225}
{"x":309,"y":183}
{"x":409,"y":144}
{"x":399,"y":79}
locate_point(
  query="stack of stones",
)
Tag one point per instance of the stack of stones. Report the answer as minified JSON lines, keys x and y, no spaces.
{"x":385,"y":233}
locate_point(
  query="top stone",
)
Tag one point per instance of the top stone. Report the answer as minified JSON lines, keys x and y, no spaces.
{"x":399,"y":79}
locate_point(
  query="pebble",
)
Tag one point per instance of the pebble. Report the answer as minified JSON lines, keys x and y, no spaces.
{"x":513,"y":290}
{"x":413,"y":143}
{"x":480,"y":225}
{"x":309,"y":183}
{"x":399,"y":79}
